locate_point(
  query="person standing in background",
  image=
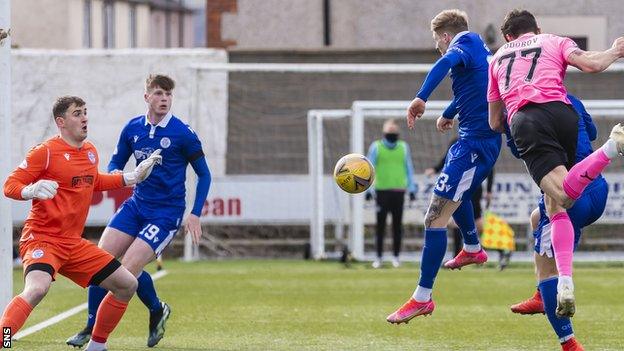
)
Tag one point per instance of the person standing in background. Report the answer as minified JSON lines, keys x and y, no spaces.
{"x":392,"y":160}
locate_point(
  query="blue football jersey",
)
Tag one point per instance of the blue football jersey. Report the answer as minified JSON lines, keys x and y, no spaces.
{"x":470,"y":82}
{"x":180,"y":146}
{"x":586,"y":129}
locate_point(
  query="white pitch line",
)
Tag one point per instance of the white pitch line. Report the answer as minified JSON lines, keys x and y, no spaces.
{"x":64,"y":315}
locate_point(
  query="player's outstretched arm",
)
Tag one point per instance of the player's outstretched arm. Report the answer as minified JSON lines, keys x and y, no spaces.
{"x":118,"y":179}
{"x":597,"y":61}
{"x":496,"y":116}
{"x":122,"y":153}
{"x":143,"y":170}
{"x":439,"y":70}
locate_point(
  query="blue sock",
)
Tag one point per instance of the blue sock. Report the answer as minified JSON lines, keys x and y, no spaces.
{"x":464,"y":218}
{"x":95,"y":295}
{"x":432,"y":255}
{"x":561,"y":326}
{"x":147,"y":293}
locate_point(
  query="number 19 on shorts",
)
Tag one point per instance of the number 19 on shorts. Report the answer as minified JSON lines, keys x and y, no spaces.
{"x":150,"y":231}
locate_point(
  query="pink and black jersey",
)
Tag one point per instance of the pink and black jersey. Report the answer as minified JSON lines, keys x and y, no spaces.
{"x":530,"y":69}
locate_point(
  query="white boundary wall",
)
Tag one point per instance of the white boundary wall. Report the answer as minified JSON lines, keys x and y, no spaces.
{"x":112,"y":84}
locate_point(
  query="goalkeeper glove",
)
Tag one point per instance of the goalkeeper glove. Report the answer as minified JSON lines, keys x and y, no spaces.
{"x":143,"y":170}
{"x":42,"y":189}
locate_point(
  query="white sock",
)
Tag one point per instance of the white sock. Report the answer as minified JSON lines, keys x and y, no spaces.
{"x":610,"y":149}
{"x":472,"y":248}
{"x":565,"y":338}
{"x":422,"y":294}
{"x":95,"y":346}
{"x":564,"y":280}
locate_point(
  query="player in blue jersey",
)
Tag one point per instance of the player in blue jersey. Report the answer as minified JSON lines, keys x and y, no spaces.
{"x":147,"y":222}
{"x":468,"y":161}
{"x":585,"y":211}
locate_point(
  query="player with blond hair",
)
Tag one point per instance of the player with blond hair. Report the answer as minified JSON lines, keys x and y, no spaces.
{"x":468,"y":161}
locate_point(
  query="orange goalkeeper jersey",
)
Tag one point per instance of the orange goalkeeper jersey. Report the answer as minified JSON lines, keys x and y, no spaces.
{"x":76,"y":172}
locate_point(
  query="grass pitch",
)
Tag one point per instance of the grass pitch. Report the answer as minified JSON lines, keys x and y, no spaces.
{"x":298,"y":305}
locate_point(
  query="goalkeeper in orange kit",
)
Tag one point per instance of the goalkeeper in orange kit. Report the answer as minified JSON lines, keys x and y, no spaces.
{"x":60,"y":176}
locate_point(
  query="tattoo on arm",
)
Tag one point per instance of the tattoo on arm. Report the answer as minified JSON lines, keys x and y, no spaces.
{"x":435,"y":209}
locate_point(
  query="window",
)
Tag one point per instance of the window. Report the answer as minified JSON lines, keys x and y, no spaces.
{"x":133,"y":26}
{"x":109,"y":24}
{"x":86,"y":24}
{"x":167,"y":28}
{"x":181,"y":29}
{"x":581,"y":42}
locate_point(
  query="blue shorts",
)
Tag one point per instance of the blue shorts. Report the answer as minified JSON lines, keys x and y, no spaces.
{"x":586,"y":210}
{"x":153,"y":224}
{"x":468,"y":163}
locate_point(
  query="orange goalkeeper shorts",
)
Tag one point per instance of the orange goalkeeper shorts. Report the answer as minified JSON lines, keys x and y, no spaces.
{"x":79,"y":260}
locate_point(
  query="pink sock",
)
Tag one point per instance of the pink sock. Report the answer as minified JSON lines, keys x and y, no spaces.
{"x":584,"y":172}
{"x":562,"y":237}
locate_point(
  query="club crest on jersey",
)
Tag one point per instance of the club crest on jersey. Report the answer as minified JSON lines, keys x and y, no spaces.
{"x":37,"y":253}
{"x":143,"y":153}
{"x":165,"y":142}
{"x":66,"y":156}
{"x":91,"y":156}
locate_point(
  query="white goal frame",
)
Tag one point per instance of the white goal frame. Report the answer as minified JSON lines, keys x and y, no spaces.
{"x":361,"y":110}
{"x":317,"y":218}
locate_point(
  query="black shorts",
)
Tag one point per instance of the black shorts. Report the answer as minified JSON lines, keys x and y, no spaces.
{"x":546,"y":136}
{"x":476,"y":202}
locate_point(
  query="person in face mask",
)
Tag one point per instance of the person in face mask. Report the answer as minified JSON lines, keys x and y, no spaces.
{"x":393,"y":176}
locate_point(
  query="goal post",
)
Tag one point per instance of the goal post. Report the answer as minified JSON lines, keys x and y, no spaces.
{"x":605,"y":113}
{"x":360,"y":110}
{"x":381,"y":110}
{"x":316,"y":172}
{"x":6,"y":222}
{"x":251,"y":85}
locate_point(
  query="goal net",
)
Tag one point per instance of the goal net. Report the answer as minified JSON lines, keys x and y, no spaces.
{"x":514,"y":193}
{"x":277,"y":166}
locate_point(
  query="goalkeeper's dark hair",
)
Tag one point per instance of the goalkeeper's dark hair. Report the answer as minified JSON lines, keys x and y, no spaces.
{"x":61,"y":105}
{"x":518,"y":22}
{"x":159,"y":81}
